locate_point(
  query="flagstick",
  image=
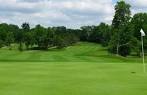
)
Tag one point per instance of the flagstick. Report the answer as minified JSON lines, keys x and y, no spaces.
{"x":143,"y":54}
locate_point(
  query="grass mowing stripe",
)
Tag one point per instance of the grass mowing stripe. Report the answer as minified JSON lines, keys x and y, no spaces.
{"x":80,"y":52}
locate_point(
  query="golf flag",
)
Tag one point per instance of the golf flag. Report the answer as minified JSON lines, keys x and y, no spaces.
{"x":142,"y":32}
{"x":142,"y":35}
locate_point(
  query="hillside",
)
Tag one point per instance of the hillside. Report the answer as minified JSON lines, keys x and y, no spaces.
{"x":80,"y":52}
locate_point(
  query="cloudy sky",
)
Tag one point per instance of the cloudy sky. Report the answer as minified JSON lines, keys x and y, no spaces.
{"x":69,"y":13}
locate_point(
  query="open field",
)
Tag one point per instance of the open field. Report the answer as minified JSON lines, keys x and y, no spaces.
{"x":83,"y":69}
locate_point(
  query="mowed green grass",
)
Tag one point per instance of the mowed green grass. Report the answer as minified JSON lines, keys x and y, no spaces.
{"x":81,"y":52}
{"x":83,"y":69}
{"x":72,"y":79}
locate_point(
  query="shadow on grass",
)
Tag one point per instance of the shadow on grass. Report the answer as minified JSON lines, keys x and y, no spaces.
{"x":49,"y":49}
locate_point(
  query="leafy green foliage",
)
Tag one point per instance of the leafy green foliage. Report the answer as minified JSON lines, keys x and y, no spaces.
{"x":121,"y":28}
{"x":139,"y":21}
{"x":98,"y":34}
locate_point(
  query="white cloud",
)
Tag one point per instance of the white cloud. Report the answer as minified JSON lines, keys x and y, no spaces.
{"x":138,"y":3}
{"x":70,"y":13}
{"x":138,"y":6}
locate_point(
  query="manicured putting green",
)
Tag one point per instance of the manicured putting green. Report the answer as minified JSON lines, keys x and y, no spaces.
{"x":70,"y":78}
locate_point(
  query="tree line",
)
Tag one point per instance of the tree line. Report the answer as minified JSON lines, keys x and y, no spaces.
{"x":38,"y":37}
{"x":122,"y":37}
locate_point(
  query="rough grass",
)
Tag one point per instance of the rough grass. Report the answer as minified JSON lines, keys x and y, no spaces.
{"x":83,"y":69}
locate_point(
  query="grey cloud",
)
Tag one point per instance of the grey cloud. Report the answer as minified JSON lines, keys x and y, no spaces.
{"x":31,"y":1}
{"x":5,"y":9}
{"x":68,"y":13}
{"x":138,"y":5}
